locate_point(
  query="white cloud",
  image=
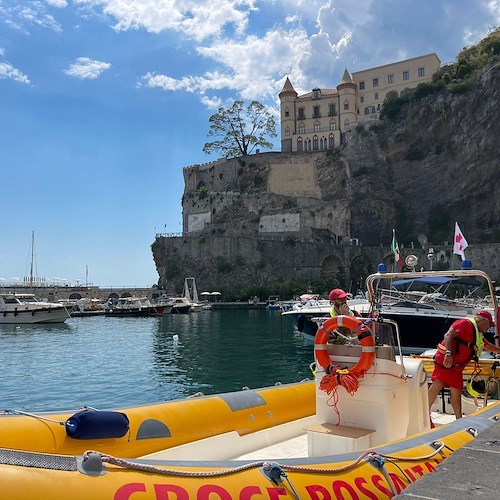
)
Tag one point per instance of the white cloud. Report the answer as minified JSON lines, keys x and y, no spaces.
{"x":248,"y":67}
{"x":61,"y":4}
{"x":494,"y":7}
{"x":9,"y":71}
{"x":23,"y":15}
{"x":2,"y":51}
{"x":33,"y":14}
{"x":86,"y":68}
{"x":198,"y":20}
{"x":211,"y":102}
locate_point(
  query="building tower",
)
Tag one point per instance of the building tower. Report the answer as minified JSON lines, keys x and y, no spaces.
{"x":347,"y":103}
{"x":287,"y":106}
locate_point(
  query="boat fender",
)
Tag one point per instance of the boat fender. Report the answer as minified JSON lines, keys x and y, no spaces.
{"x":301,"y":319}
{"x":91,"y":424}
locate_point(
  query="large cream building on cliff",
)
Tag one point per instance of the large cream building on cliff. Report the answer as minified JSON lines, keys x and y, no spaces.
{"x":319,"y":119}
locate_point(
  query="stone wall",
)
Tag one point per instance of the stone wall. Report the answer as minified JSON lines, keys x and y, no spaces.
{"x":235,"y":265}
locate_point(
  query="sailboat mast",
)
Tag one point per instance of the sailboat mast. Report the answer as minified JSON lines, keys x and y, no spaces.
{"x":32,"y":256}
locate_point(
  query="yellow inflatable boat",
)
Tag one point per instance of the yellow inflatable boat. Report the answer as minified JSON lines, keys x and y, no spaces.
{"x":381,"y":472}
{"x":316,"y":440}
{"x":137,"y":431}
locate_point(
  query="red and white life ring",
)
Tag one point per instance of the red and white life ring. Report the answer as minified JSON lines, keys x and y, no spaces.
{"x":365,"y":338}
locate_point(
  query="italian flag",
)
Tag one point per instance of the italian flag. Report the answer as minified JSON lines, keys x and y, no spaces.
{"x":395,"y":250}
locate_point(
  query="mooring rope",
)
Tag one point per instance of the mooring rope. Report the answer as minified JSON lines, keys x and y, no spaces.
{"x":120,"y":462}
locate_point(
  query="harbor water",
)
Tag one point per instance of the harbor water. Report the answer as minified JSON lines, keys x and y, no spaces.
{"x":119,"y":362}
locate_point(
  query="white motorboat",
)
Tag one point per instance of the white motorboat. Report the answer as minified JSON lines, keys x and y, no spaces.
{"x":444,"y":297}
{"x":180,"y":305}
{"x":303,"y":314}
{"x":133,"y":307}
{"x":25,"y":308}
{"x":424,"y":304}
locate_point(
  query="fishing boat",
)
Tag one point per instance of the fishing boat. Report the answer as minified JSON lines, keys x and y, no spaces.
{"x":361,"y":428}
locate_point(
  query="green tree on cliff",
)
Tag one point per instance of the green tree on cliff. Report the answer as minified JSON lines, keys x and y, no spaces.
{"x":238,"y":131}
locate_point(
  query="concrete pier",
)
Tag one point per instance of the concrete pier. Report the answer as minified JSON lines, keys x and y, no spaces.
{"x":473,"y":471}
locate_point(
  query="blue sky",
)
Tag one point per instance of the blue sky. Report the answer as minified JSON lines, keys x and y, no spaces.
{"x":103,"y":102}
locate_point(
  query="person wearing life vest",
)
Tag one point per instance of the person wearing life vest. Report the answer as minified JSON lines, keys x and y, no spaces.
{"x":338,"y":301}
{"x":462,"y":342}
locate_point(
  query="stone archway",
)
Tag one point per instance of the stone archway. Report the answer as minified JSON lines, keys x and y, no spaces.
{"x":333,"y":271}
{"x":361,"y":267}
{"x":75,"y":296}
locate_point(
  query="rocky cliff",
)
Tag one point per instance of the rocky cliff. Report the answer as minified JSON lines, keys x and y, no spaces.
{"x":285,"y":220}
{"x":437,"y":163}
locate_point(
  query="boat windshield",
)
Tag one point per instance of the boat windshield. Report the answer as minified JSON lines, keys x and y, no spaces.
{"x":27,"y":298}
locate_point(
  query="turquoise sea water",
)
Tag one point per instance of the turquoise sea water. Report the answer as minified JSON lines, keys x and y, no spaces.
{"x":119,"y":362}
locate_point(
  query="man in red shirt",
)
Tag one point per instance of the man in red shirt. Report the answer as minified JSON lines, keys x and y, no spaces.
{"x":461,"y":343}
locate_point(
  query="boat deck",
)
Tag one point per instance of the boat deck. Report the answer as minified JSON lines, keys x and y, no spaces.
{"x":291,"y":448}
{"x":297,"y":447}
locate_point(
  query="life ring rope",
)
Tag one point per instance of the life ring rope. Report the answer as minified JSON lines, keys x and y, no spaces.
{"x":337,"y":375}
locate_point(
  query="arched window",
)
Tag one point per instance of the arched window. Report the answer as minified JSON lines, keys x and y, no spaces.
{"x":346,"y":104}
{"x":308,"y":143}
{"x":321,"y":143}
{"x":299,"y":144}
{"x":347,"y":126}
{"x":302,"y":128}
{"x":315,"y":142}
{"x":287,"y":131}
{"x":287,"y":113}
{"x":332,"y":125}
{"x":331,"y":141}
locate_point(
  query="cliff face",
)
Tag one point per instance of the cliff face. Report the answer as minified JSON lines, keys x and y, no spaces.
{"x":438,"y":163}
{"x":274,"y":218}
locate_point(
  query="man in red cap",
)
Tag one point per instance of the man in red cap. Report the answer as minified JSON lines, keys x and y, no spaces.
{"x":338,"y":301}
{"x":462,"y":342}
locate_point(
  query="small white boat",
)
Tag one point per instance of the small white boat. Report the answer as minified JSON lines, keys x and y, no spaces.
{"x":133,"y":307}
{"x":302,"y":314}
{"x":180,"y":305}
{"x":25,"y":308}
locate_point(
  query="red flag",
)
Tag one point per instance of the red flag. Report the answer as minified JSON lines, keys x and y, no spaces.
{"x":459,"y":242}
